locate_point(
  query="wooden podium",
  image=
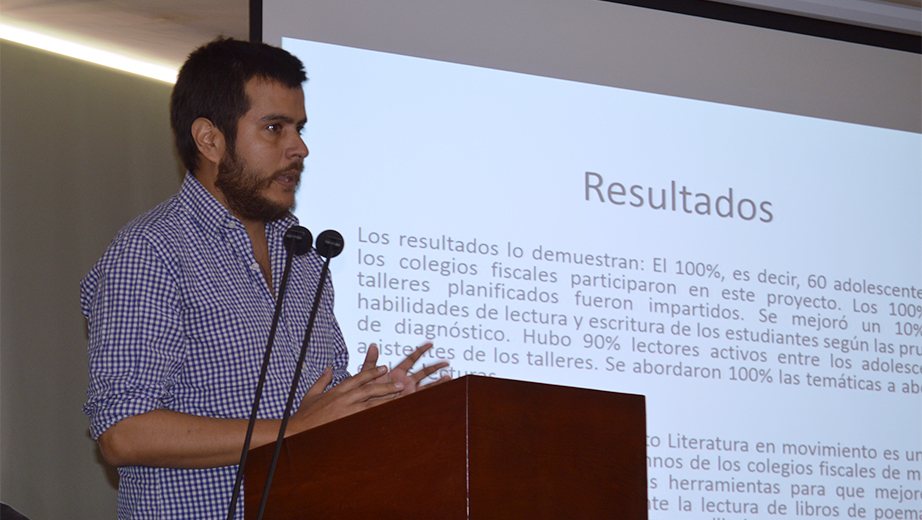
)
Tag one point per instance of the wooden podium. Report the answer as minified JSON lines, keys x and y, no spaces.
{"x":472,"y":448}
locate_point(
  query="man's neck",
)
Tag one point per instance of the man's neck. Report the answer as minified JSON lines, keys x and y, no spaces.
{"x":256,"y":229}
{"x":257,"y":232}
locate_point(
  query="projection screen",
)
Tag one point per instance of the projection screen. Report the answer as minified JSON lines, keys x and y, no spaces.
{"x":725,"y":219}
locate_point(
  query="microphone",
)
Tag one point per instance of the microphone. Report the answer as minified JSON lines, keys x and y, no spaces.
{"x":297,"y":242}
{"x":329,"y":244}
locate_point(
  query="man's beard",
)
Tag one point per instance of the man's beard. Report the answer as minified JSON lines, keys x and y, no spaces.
{"x":243,"y":189}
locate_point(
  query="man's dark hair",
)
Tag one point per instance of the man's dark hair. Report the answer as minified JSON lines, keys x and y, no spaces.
{"x":211,"y":84}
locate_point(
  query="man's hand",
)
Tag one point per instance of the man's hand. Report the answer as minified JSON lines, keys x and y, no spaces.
{"x":370,"y":387}
{"x":412,"y":381}
{"x":355,"y":394}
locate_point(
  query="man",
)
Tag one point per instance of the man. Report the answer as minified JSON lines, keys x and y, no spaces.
{"x":180,"y":305}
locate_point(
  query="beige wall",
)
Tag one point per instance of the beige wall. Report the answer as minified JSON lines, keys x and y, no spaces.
{"x":83,"y":149}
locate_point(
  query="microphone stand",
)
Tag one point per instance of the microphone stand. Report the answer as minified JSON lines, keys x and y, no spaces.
{"x":329,"y":245}
{"x":295,"y":245}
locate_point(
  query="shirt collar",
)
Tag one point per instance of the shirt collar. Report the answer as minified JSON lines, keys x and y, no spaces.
{"x":212,"y":215}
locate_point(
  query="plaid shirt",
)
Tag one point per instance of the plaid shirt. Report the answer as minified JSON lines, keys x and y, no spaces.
{"x":179,"y":315}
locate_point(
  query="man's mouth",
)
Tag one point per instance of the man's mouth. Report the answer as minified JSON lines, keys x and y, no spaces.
{"x":289,"y":179}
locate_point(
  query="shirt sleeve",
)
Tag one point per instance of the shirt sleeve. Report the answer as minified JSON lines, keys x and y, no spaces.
{"x":327,"y":345}
{"x":132,"y":303}
{"x":341,"y":352}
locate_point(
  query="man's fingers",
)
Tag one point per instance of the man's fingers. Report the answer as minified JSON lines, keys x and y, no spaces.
{"x":411,"y":360}
{"x":322,"y":382}
{"x":363,"y":377}
{"x":425,"y":372}
{"x":443,"y":379}
{"x":371,"y":357}
{"x":375,"y":391}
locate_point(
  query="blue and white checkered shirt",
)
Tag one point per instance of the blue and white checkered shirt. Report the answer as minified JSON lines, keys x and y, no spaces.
{"x":179,"y":315}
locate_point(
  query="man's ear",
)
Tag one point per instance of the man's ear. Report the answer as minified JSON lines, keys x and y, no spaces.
{"x":208,"y":139}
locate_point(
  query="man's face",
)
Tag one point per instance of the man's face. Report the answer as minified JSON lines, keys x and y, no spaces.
{"x":260,"y":173}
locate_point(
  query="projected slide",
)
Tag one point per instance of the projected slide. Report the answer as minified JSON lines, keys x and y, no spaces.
{"x":758,"y":276}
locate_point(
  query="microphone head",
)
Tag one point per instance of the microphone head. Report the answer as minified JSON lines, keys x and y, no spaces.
{"x":329,"y":243}
{"x":298,"y":240}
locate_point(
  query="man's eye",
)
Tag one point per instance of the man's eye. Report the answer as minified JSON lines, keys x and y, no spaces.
{"x":274,"y":128}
